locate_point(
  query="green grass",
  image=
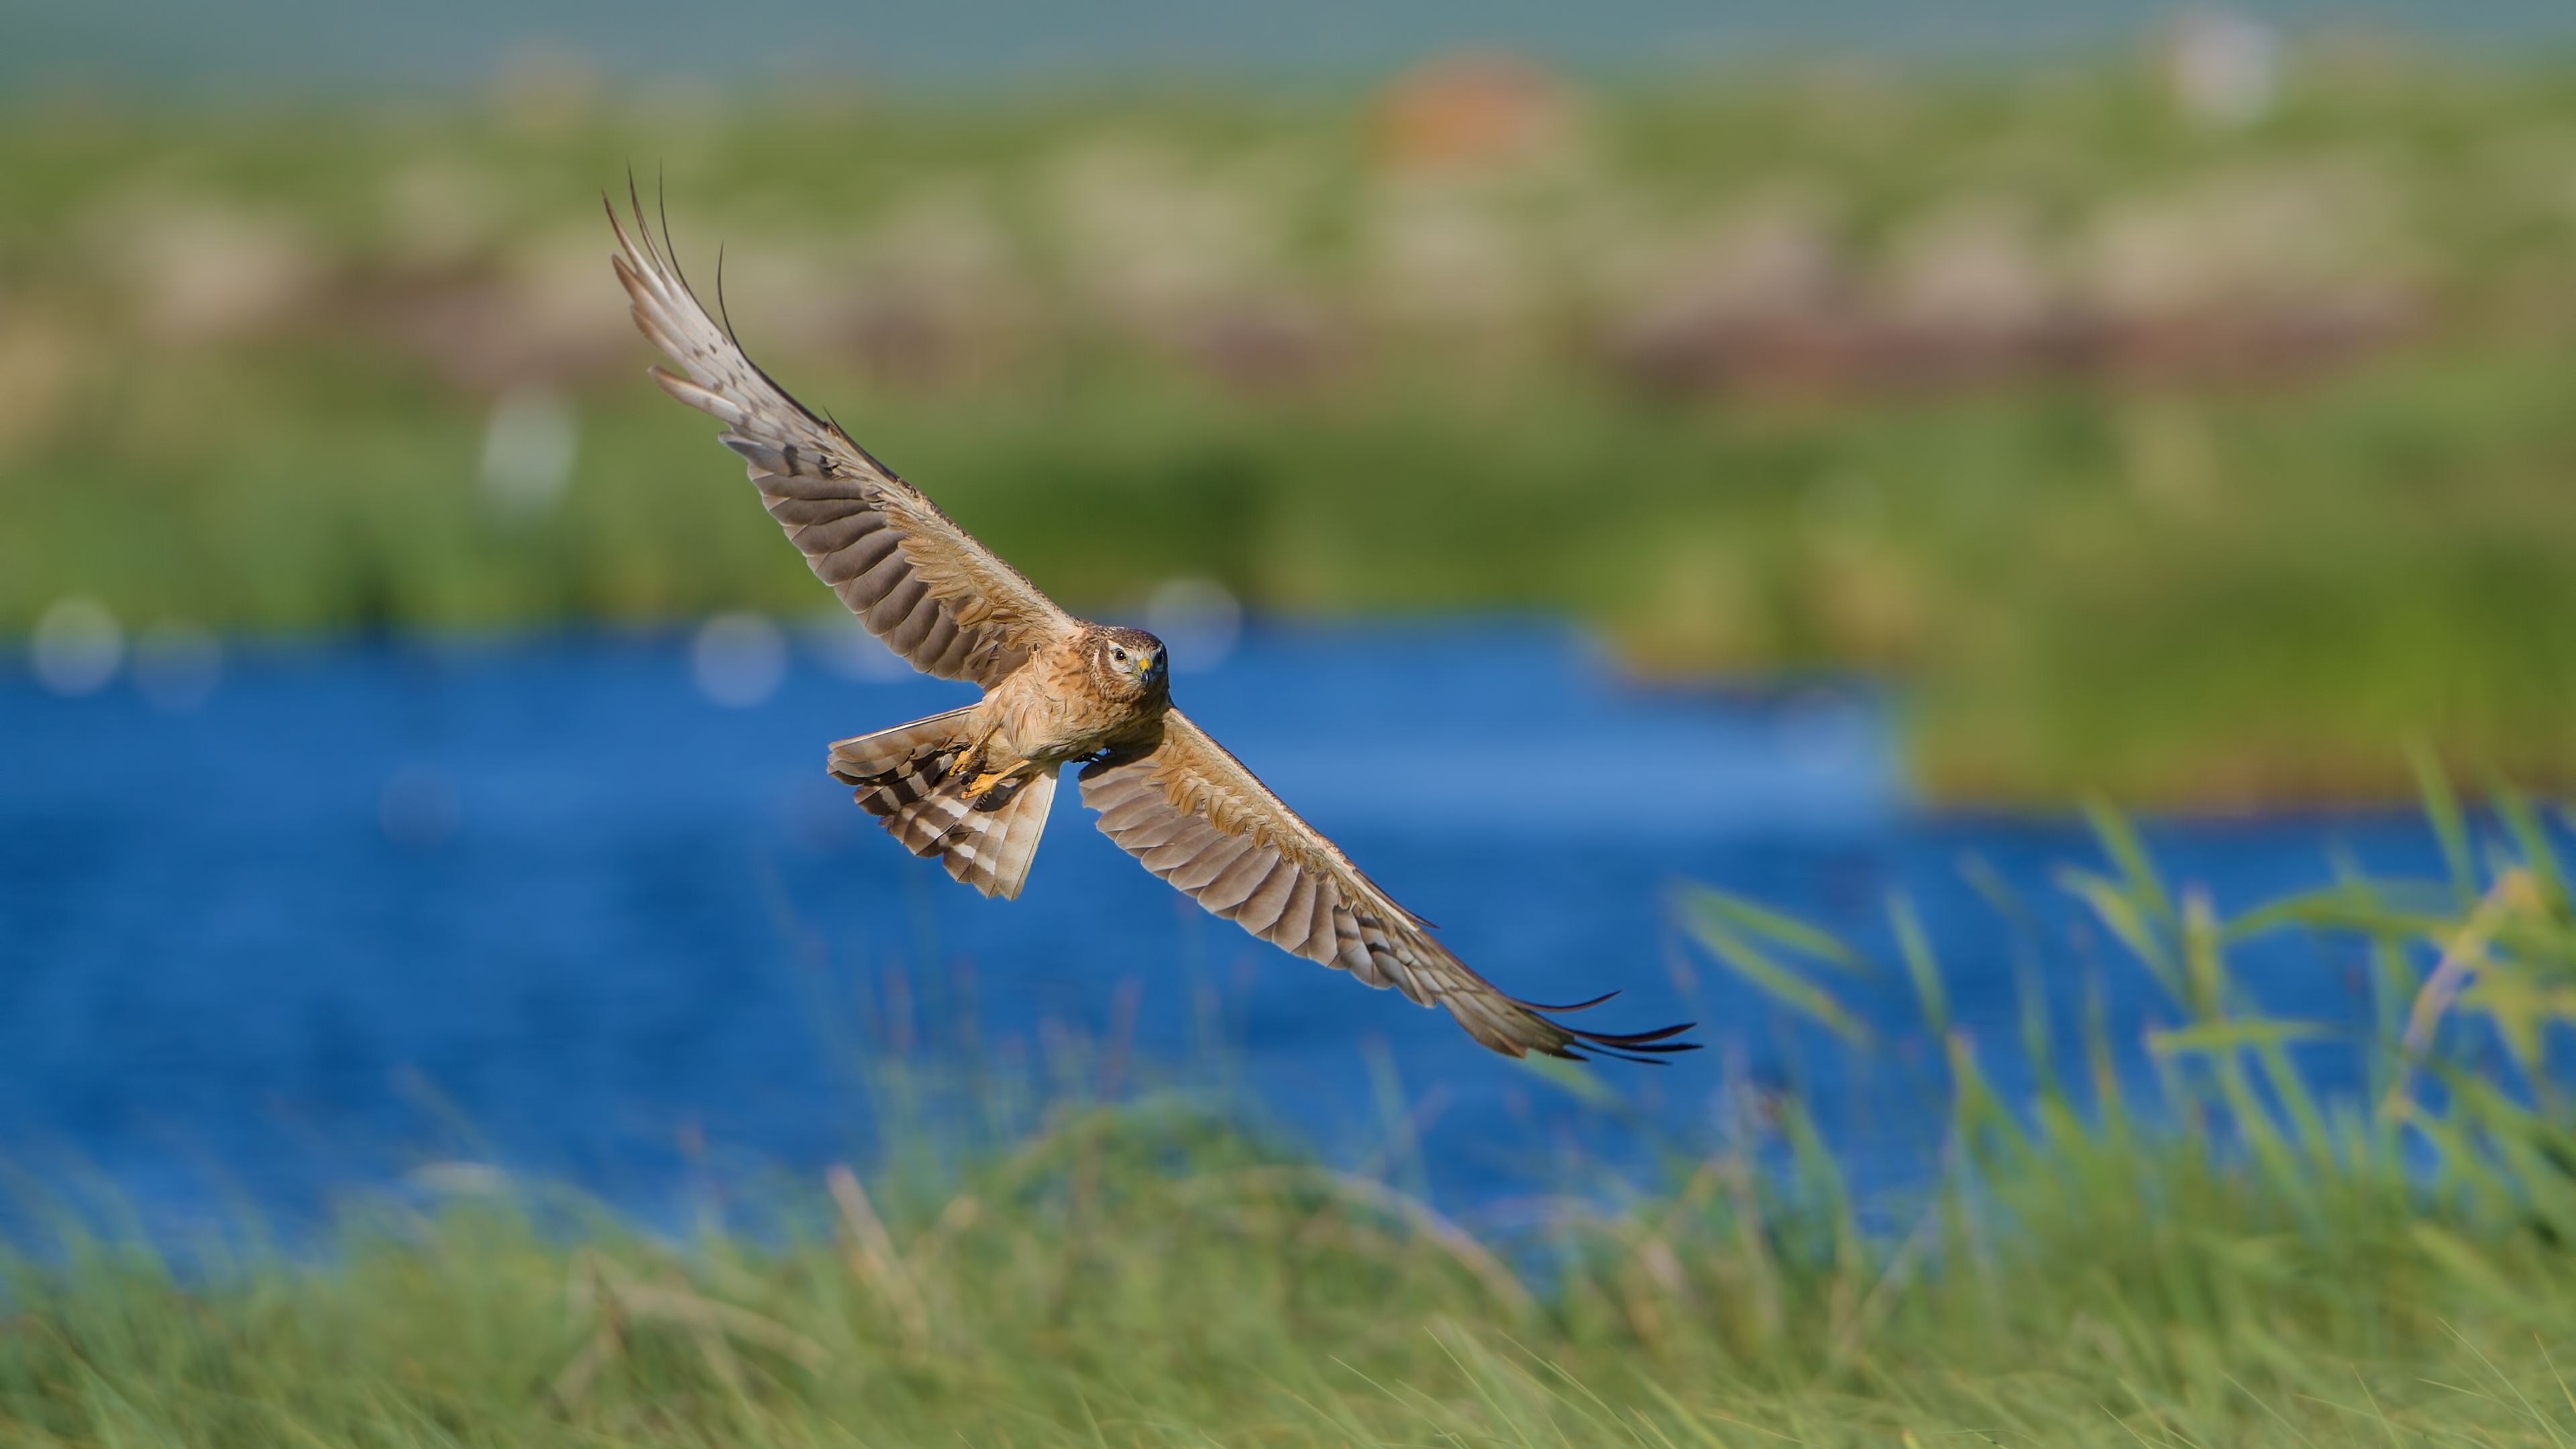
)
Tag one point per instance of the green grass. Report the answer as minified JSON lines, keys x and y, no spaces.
{"x":2206,"y":590}
{"x":2230,"y":1260}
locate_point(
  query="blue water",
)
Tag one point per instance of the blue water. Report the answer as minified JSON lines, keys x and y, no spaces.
{"x":540,"y":902}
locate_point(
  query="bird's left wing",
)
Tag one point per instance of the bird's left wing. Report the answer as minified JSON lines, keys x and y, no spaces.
{"x":916,"y":580}
{"x":1197,"y":818}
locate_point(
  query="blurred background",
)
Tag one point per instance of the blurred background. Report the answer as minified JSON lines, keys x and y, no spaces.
{"x":2172,"y":401}
{"x":1852,"y":416}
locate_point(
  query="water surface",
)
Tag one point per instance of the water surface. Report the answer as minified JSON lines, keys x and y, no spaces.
{"x":543,"y":902}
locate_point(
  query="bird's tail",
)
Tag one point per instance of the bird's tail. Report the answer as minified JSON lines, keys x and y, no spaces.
{"x":909,"y":778}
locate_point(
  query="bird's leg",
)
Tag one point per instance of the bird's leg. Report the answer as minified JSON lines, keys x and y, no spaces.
{"x":987,"y":781}
{"x":964,"y":757}
{"x":984,"y":780}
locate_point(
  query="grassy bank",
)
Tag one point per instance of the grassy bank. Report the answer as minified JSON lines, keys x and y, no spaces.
{"x":2196,"y":463}
{"x":2231,"y":1261}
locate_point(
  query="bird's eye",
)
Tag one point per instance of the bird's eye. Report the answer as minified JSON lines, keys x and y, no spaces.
{"x":1118,"y":654}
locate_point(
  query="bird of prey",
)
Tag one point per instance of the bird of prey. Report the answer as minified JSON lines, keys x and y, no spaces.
{"x":972,"y":786}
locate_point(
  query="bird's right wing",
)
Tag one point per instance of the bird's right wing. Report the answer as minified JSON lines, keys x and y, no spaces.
{"x":1196,"y":817}
{"x":919,"y":582}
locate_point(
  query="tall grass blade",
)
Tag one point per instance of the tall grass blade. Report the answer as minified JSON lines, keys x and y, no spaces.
{"x":1758,"y":922}
{"x":2450,"y":825}
{"x":1916,"y":950}
{"x":1705,"y":919}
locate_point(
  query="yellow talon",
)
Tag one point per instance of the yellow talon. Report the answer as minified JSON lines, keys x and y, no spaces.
{"x":984,"y":782}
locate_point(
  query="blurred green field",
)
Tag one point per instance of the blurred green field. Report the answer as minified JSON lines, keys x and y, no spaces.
{"x":2199,"y":463}
{"x":2229,"y":1259}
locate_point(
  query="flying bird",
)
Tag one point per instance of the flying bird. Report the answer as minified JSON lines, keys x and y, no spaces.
{"x":972,"y":787}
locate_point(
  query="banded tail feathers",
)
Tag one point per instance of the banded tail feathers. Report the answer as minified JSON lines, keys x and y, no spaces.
{"x":908,"y":777}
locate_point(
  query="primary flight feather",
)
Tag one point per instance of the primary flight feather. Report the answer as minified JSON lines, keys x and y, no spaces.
{"x":972,"y":787}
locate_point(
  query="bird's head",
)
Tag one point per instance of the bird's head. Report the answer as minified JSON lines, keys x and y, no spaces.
{"x":1131,"y":662}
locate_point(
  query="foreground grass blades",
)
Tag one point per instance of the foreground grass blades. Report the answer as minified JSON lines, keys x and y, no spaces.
{"x":2159,"y":1301}
{"x":2236,"y":1260}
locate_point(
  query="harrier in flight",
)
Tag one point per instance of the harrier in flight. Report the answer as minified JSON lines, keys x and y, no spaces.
{"x":972,"y":786}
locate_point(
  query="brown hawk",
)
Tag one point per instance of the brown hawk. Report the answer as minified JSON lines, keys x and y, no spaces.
{"x":972,"y":786}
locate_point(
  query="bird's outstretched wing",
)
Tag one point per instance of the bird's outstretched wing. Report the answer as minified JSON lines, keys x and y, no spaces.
{"x":1196,"y":817}
{"x":918,"y":581}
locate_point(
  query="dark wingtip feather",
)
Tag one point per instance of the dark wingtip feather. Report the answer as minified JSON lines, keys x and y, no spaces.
{"x":1642,"y":1038}
{"x":724,"y":314}
{"x":662,"y":204}
{"x":1560,"y":1010}
{"x":635,"y":208}
{"x":1645,"y":1048}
